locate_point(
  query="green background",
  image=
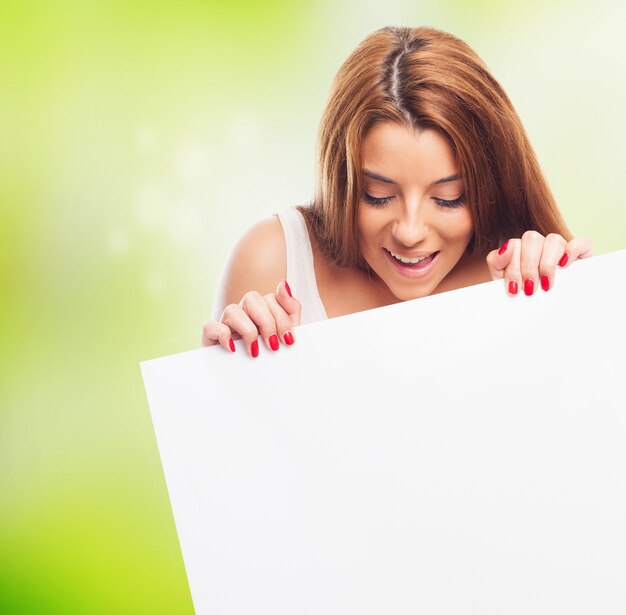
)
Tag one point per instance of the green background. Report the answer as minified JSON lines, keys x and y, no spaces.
{"x":137,"y":141}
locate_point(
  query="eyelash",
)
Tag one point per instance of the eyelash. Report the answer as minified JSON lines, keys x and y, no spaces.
{"x":372,"y":200}
{"x":452,"y":204}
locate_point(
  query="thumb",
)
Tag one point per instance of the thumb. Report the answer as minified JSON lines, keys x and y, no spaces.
{"x":288,"y":302}
{"x":499,"y":260}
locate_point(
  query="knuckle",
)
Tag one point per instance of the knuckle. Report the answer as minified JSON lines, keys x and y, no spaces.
{"x":282,"y":322}
{"x":251,"y":297}
{"x":211,"y":333}
{"x":266,"y":323}
{"x":223,"y":330}
{"x":532,"y":235}
{"x":212,"y":329}
{"x":554,"y":237}
{"x":248,"y":331}
{"x":513,"y":269}
{"x":229,"y":311}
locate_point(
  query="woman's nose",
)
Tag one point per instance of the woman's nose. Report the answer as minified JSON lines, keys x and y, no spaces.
{"x":411,"y":226}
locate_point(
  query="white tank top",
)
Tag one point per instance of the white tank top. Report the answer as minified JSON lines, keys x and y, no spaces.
{"x":300,"y":270}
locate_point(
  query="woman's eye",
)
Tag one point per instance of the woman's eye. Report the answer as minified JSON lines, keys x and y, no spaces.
{"x":375,"y":200}
{"x":458,"y":202}
{"x":453,"y":203}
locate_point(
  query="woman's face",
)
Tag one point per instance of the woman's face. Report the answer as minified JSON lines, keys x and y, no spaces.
{"x":413,"y":224}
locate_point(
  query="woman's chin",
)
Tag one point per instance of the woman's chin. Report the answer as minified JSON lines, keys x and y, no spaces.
{"x":407,"y":294}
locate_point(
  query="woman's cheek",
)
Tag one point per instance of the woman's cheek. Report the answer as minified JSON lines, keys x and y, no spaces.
{"x":464,"y":227}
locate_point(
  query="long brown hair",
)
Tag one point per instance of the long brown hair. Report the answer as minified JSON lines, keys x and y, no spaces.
{"x":426,"y":78}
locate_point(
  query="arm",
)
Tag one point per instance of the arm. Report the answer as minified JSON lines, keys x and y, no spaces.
{"x":258,"y":261}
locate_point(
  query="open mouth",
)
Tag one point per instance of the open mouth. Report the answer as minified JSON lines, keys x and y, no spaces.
{"x":417,"y":263}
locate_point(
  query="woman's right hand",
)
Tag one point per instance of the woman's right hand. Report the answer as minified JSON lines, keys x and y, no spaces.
{"x":272,"y":316}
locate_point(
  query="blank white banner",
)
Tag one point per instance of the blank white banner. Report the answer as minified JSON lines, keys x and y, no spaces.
{"x":461,"y":453}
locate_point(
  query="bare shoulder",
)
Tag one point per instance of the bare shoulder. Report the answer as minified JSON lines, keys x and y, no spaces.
{"x":257,"y":262}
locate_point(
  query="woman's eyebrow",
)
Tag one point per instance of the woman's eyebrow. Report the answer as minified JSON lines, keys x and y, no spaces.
{"x":386,"y":180}
{"x":378,"y":178}
{"x":450,"y":178}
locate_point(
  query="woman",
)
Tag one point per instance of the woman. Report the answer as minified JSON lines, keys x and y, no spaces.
{"x":426,"y":183}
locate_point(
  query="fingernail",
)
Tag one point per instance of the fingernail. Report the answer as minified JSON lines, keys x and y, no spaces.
{"x":288,"y":337}
{"x":231,"y":344}
{"x":502,"y":250}
{"x":274,"y":345}
{"x":529,"y":287}
{"x":513,"y":287}
{"x":254,"y":348}
{"x":288,"y":289}
{"x":564,"y":260}
{"x":545,"y":282}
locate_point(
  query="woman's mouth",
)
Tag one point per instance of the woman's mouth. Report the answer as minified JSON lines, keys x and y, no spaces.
{"x":415,"y":267}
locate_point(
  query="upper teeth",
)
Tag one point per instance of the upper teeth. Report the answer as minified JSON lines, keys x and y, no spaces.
{"x":411,"y":261}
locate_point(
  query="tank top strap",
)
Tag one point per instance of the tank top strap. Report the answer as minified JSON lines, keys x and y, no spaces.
{"x":300,"y":268}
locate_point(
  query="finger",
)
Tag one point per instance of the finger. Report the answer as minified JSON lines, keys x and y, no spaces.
{"x":284,"y":328}
{"x":553,"y":249}
{"x":214,"y":332}
{"x":236,"y":318}
{"x":532,"y":247}
{"x":579,"y":247}
{"x":513,"y":272}
{"x":505,"y":263}
{"x":498,"y":260}
{"x":289,"y":303}
{"x":259,"y":312}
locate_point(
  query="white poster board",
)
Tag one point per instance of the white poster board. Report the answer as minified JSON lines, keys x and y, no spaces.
{"x":461,"y":453}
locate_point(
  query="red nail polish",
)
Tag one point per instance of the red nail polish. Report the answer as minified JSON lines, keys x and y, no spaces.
{"x":502,"y":250}
{"x":529,"y":287}
{"x":564,"y":260}
{"x":545,"y":282}
{"x":288,"y":289}
{"x":254,"y":348}
{"x":513,"y":287}
{"x":231,"y":344}
{"x":288,"y":337}
{"x":274,"y":345}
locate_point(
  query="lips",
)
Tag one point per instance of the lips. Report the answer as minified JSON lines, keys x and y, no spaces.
{"x":415,"y":267}
{"x":410,"y":260}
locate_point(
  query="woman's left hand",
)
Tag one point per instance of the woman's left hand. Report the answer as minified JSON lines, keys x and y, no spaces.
{"x":530,"y":262}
